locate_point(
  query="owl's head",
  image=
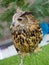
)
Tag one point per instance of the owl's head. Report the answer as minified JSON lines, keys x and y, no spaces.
{"x":16,"y":18}
{"x":19,"y":18}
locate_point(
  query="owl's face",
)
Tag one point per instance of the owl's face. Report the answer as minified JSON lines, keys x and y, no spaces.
{"x":14,"y":21}
{"x":18,"y":20}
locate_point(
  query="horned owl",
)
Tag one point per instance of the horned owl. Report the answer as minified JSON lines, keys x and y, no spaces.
{"x":26,"y":31}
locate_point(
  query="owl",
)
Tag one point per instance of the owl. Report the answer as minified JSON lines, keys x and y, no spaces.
{"x":26,"y":32}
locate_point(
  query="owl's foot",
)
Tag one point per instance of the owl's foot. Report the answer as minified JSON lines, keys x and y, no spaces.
{"x":22,"y":57}
{"x":37,"y":49}
{"x":21,"y":63}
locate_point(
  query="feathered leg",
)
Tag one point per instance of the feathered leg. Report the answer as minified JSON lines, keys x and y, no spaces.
{"x":22,"y":57}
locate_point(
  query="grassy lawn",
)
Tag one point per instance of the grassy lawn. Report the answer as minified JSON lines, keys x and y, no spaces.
{"x":40,"y":58}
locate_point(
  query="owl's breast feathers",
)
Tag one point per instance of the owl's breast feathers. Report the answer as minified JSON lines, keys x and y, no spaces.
{"x":27,"y":37}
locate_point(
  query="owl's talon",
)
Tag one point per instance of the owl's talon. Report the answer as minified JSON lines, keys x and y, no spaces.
{"x":37,"y":50}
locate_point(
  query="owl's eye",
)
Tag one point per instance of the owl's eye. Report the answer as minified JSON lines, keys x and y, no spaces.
{"x":19,"y":19}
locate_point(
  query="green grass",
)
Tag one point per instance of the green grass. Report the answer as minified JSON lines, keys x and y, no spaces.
{"x":40,"y":58}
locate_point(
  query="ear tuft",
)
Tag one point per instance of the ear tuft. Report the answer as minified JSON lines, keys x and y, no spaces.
{"x":18,"y":10}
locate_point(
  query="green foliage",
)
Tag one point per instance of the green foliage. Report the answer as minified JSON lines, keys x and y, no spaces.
{"x":1,"y":27}
{"x":40,"y":8}
{"x":1,"y":35}
{"x":40,"y":58}
{"x":25,"y":7}
{"x":8,"y":15}
{"x":20,"y":3}
{"x":5,"y":3}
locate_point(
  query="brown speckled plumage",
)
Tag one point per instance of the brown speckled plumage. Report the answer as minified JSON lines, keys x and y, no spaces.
{"x":27,"y":34}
